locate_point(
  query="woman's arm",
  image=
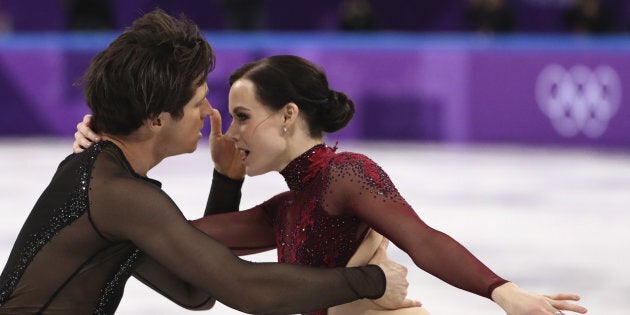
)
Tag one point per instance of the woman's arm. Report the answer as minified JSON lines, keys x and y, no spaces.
{"x":244,"y":232}
{"x":225,"y":194}
{"x":361,"y":187}
{"x":365,"y":189}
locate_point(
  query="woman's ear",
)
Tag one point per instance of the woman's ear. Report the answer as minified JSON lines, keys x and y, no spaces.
{"x":291,"y":112}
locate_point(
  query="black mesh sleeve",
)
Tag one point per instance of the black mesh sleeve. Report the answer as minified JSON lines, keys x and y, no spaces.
{"x":225,"y":194}
{"x":129,"y":209}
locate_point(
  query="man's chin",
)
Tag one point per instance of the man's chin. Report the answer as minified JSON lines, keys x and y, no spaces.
{"x":194,"y":148}
{"x":191,"y":149}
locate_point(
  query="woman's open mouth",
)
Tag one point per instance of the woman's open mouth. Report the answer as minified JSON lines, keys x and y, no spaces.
{"x":244,"y":154}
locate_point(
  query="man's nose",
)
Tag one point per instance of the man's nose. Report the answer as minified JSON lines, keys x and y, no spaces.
{"x":206,"y":108}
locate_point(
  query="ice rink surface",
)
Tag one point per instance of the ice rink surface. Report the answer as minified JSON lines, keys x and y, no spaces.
{"x":549,"y":219}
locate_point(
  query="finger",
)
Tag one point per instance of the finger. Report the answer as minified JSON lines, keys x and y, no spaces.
{"x":384,"y":244}
{"x":81,"y":141}
{"x":85,"y":143}
{"x":76,"y":148}
{"x":410,"y":303}
{"x":564,"y":296}
{"x":87,"y":119}
{"x":83,"y":128}
{"x":215,"y":123}
{"x":567,"y":306}
{"x":379,"y":254}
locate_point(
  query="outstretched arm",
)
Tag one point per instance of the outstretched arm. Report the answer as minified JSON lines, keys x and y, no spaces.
{"x":365,"y":189}
{"x":148,"y":218}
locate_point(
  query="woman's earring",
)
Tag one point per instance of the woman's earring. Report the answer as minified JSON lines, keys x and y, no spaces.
{"x":284,"y":129}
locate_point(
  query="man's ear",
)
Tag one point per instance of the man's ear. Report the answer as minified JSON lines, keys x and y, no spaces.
{"x":155,"y":121}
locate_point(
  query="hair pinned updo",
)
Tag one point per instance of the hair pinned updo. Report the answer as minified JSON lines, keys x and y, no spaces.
{"x":283,"y":79}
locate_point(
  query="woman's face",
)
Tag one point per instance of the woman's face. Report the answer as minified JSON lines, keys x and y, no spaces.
{"x":257,"y":130}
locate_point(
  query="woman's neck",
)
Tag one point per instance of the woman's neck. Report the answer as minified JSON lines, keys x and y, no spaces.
{"x":297,"y":147}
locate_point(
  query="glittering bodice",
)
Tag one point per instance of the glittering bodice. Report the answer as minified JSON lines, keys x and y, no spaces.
{"x":335,"y":197}
{"x":306,"y":234}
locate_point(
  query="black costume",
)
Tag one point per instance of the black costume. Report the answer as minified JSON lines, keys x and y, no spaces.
{"x":98,"y":222}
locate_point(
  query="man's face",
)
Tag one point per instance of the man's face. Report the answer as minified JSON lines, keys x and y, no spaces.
{"x":181,"y":135}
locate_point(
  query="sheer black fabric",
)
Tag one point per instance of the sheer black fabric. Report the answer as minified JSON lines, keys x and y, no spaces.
{"x":96,"y":222}
{"x":225,"y":194}
{"x":333,"y":199}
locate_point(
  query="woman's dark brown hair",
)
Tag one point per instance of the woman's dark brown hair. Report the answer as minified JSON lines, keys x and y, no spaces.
{"x":283,"y":79}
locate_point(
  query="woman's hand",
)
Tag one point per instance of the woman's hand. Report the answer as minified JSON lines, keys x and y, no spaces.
{"x":395,"y":296}
{"x":84,"y":137}
{"x":225,"y":155}
{"x":515,"y":301}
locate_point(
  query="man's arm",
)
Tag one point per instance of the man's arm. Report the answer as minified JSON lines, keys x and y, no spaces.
{"x":171,"y":286}
{"x":150,"y":219}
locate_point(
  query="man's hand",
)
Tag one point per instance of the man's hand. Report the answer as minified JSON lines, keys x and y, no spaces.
{"x":395,"y":296}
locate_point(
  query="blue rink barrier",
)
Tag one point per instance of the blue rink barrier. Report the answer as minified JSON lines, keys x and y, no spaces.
{"x":564,"y":90}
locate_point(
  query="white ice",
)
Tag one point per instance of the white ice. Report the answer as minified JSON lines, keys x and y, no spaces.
{"x":549,"y":219}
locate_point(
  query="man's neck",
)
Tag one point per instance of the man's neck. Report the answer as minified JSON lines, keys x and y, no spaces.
{"x":138,"y":150}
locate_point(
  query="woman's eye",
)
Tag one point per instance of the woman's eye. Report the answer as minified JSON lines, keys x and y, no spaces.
{"x":241,"y":117}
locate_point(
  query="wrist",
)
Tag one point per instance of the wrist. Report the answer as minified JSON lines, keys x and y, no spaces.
{"x":367,"y":282}
{"x":227,"y":176}
{"x":501,"y":294}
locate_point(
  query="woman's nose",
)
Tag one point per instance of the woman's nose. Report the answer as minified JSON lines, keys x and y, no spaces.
{"x":231,"y":132}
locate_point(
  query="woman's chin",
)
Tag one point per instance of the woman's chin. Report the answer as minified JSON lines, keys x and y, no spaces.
{"x":253,"y":172}
{"x":250,"y":173}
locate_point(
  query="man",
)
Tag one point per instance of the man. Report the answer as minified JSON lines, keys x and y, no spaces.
{"x":102,"y":220}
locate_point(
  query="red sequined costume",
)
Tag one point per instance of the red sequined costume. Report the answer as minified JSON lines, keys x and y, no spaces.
{"x":333,"y":199}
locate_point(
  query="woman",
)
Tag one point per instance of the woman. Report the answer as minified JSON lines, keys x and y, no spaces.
{"x":281,"y":106}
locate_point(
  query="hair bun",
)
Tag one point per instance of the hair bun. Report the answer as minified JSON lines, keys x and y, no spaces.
{"x":338,"y":113}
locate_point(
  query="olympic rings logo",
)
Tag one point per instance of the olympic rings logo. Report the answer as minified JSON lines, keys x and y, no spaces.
{"x":579,"y":99}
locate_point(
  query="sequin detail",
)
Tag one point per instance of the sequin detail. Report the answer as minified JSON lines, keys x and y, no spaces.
{"x":113,"y":290}
{"x":59,"y":219}
{"x":53,"y":221}
{"x":305,"y":233}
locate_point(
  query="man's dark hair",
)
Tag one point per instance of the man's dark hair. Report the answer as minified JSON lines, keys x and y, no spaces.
{"x":154,"y":66}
